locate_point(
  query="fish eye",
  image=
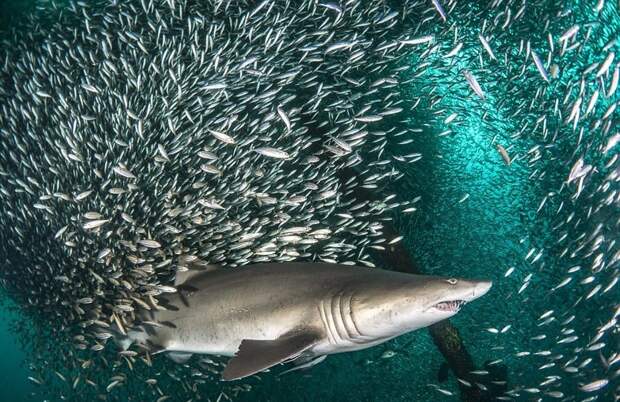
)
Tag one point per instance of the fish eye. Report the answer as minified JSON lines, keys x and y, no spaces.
{"x":452,"y":281}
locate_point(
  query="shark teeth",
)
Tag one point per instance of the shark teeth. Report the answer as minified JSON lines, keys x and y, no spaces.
{"x":451,"y":305}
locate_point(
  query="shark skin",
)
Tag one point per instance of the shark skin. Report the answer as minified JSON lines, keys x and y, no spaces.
{"x":266,"y":314}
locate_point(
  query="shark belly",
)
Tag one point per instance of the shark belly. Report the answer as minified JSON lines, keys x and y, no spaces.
{"x":328,"y":348}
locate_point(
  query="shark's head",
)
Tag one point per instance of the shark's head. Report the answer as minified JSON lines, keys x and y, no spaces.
{"x":405,"y":303}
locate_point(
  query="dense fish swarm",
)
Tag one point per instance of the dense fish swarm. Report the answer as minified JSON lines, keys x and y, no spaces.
{"x":140,"y":138}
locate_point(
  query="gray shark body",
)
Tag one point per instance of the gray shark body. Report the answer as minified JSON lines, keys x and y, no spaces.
{"x":266,"y":314}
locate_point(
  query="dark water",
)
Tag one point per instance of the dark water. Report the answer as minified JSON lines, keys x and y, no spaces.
{"x":484,"y":235}
{"x":13,"y":383}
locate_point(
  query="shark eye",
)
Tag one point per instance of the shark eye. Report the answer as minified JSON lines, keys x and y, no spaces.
{"x":452,"y":281}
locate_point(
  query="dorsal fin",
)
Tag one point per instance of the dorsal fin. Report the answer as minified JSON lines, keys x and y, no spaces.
{"x":192,"y":266}
{"x":184,"y":276}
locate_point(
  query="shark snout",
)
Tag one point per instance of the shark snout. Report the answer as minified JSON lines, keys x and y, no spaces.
{"x":481,"y":288}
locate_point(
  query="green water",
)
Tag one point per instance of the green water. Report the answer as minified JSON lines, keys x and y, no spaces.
{"x":13,"y":383}
{"x":14,"y":372}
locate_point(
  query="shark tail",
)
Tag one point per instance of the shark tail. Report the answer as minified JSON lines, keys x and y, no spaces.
{"x":125,"y":340}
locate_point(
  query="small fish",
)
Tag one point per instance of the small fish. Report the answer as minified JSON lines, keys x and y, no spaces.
{"x":539,"y":66}
{"x":417,"y":41}
{"x":564,"y":282}
{"x":444,"y":391}
{"x":162,"y":152}
{"x":570,"y":32}
{"x":339,"y":46}
{"x":455,"y":50}
{"x":578,"y":170}
{"x":60,"y":232}
{"x":167,"y":289}
{"x":85,"y":300}
{"x":225,"y":138}
{"x":388,"y":354}
{"x":121,"y":171}
{"x":209,"y":168}
{"x":440,"y":10}
{"x":502,"y":151}
{"x":112,"y":385}
{"x":368,"y":119}
{"x":92,"y":215}
{"x":450,"y":118}
{"x":214,"y":86}
{"x":90,"y":88}
{"x":486,"y":46}
{"x":35,"y":380}
{"x":95,"y":223}
{"x":272,"y":153}
{"x":83,"y":195}
{"x":396,"y":240}
{"x":148,"y":243}
{"x":332,"y":6}
{"x":606,"y":63}
{"x":473,"y":83}
{"x":591,"y":103}
{"x":284,"y":118}
{"x":594,"y":385}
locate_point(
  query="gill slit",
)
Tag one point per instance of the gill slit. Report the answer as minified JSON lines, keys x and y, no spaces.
{"x":336,"y":317}
{"x":353,"y":332}
{"x":326,"y":322}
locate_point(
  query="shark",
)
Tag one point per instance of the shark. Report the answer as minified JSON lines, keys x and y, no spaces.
{"x":265,"y":314}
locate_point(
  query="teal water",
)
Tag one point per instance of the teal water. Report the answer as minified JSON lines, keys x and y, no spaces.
{"x":14,"y":385}
{"x":13,"y":364}
{"x":482,"y":236}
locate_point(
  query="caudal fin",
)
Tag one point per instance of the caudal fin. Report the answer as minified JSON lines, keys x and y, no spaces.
{"x":125,"y":341}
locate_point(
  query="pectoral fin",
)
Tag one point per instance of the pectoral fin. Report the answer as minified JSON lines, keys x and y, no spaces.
{"x":254,"y":356}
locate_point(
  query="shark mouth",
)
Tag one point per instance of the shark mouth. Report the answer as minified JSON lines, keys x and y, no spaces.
{"x":451,"y":306}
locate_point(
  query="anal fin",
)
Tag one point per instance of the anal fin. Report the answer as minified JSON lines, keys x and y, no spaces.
{"x":154,"y":348}
{"x":254,"y":356}
{"x":179,"y":357}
